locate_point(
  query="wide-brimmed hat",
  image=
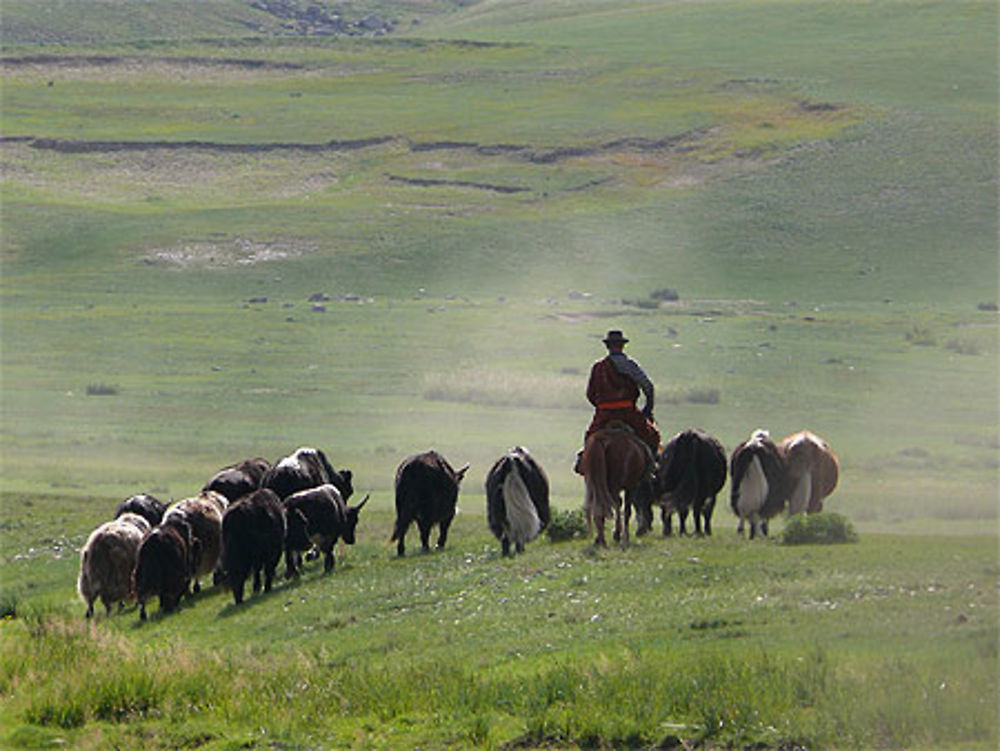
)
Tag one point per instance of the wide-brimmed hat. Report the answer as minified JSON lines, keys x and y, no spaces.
{"x":615,"y":337}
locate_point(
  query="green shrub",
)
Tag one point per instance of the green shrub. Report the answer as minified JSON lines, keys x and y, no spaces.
{"x":818,"y":529}
{"x":567,"y":525}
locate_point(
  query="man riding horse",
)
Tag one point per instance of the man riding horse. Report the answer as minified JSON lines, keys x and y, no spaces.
{"x":613,"y":389}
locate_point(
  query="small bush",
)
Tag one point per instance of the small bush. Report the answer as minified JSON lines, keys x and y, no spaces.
{"x":101,"y":389}
{"x":818,"y":529}
{"x":666,"y":294}
{"x":567,"y":525}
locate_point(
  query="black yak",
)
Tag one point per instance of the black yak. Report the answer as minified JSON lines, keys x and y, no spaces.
{"x":303,"y":469}
{"x":253,"y":539}
{"x":148,"y":507}
{"x":317,"y":516}
{"x":426,"y":492}
{"x":238,"y":480}
{"x":165,"y":565}
{"x":690,"y":472}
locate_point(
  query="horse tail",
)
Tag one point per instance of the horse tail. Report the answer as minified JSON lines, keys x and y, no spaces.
{"x":597,"y":500}
{"x":522,"y":517}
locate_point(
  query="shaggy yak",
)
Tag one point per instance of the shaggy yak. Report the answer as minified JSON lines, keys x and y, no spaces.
{"x":253,"y":538}
{"x":238,"y":480}
{"x":811,"y":471}
{"x":107,"y":560}
{"x":149,"y":508}
{"x":165,"y":564}
{"x":690,"y":472}
{"x":320,"y":517}
{"x":306,"y":468}
{"x":517,"y":499}
{"x":204,"y":514}
{"x":757,"y":479}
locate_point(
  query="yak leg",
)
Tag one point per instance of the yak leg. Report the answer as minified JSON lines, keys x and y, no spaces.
{"x":236,"y":581}
{"x":326,"y":547}
{"x":667,"y":520}
{"x":291,"y":570}
{"x":269,"y":568}
{"x":706,"y":513}
{"x":424,"y":527}
{"x":402,"y":525}
{"x":505,"y":546}
{"x":443,"y":532}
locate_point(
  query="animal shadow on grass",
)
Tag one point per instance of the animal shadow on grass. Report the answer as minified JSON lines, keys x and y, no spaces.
{"x":187,"y":601}
{"x":253,"y":599}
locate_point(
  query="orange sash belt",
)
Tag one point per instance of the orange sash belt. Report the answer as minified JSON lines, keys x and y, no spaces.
{"x":620,"y":404}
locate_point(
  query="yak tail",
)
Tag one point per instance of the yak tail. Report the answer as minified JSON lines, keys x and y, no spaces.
{"x":801,"y":496}
{"x":522,"y":517}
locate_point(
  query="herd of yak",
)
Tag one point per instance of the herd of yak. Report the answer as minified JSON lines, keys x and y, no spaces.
{"x":250,"y":514}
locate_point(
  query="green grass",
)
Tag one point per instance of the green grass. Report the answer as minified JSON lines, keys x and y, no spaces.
{"x":713,"y":639}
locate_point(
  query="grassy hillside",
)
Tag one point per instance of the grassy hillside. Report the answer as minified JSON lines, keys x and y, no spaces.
{"x":888,"y":643}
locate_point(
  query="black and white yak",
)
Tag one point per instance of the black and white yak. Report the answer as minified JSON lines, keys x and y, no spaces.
{"x":517,"y":499}
{"x":757,"y":482}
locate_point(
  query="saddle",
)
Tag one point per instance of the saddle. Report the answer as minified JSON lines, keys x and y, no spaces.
{"x":624,"y":427}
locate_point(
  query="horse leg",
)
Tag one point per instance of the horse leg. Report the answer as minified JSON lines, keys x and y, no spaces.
{"x":599,"y":541}
{"x":621,"y":527}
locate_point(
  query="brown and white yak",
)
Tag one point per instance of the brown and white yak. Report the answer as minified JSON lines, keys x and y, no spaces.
{"x":811,"y":471}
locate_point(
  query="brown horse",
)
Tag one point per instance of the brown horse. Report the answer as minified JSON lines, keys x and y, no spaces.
{"x":614,"y":460}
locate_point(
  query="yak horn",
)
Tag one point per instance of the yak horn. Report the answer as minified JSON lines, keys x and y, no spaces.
{"x":363,"y":502}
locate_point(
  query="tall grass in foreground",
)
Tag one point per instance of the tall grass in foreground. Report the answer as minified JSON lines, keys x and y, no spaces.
{"x":71,"y":674}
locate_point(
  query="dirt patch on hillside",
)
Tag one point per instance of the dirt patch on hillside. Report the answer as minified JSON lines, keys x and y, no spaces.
{"x":227,"y":252}
{"x":71,"y":146}
{"x":163,"y":174}
{"x":54,"y":69}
